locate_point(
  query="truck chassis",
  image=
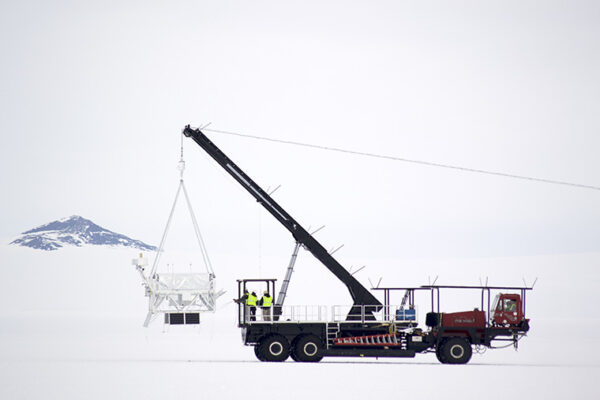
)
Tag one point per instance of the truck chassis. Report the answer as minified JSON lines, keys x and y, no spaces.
{"x":279,"y":336}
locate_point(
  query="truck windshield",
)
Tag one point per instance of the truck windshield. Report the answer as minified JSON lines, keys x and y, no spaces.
{"x":495,"y":305}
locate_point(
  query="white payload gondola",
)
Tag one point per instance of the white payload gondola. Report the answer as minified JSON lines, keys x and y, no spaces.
{"x":180,"y":297}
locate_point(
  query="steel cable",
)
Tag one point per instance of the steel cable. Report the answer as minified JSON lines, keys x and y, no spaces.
{"x":408,"y":160}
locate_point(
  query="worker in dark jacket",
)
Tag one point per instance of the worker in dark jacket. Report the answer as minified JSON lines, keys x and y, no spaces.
{"x":242,"y":300}
{"x":249,"y":300}
{"x":266,"y":301}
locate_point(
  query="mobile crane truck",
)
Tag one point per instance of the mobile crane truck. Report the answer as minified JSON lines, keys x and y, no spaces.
{"x":367,"y":328}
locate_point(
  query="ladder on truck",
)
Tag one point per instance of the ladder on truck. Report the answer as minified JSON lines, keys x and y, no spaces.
{"x":332,"y":331}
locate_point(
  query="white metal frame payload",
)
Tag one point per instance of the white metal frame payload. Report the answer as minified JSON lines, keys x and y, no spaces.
{"x":178,"y":292}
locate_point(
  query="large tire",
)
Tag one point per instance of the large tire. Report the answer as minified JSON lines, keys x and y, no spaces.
{"x":456,"y":351}
{"x":293,"y":349}
{"x":438,"y":352}
{"x":257,"y":352}
{"x":273,"y":348}
{"x":308,"y":348}
{"x":293,"y":355}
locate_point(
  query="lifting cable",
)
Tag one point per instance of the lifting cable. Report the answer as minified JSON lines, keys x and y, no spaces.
{"x":203,"y":251}
{"x":421,"y":162}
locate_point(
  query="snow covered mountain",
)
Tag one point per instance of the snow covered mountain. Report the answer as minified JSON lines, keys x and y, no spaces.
{"x":75,"y":231}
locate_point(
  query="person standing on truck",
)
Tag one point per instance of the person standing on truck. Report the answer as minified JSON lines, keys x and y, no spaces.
{"x":249,"y":301}
{"x":265,"y":302}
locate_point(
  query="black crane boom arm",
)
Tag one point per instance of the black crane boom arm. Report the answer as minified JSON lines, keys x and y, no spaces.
{"x":360,"y":294}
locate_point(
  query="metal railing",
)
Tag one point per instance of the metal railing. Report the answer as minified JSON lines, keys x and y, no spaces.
{"x":339,"y":313}
{"x":368,"y":313}
{"x":303,"y":313}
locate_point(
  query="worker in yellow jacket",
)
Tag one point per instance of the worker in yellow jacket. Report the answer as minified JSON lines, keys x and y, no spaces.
{"x":249,"y":300}
{"x":266,"y":303}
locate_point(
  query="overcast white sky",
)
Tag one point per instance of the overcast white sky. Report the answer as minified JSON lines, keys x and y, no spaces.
{"x":94,"y":95}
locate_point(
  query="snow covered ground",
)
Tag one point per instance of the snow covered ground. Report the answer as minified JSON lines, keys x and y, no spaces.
{"x":94,"y":95}
{"x":70,"y":328}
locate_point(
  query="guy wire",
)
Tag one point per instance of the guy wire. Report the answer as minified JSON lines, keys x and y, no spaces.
{"x":408,"y":160}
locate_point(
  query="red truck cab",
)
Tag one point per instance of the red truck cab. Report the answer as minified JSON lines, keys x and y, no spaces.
{"x":507,"y":309}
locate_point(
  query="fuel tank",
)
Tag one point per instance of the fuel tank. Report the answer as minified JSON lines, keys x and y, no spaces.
{"x":464,"y":319}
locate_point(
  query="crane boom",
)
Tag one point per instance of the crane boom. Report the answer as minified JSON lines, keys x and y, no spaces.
{"x":360,"y":295}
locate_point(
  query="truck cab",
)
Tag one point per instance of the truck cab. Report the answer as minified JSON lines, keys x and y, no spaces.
{"x":507,"y":309}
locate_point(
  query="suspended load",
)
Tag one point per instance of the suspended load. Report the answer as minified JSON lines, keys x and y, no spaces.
{"x":179,"y":296}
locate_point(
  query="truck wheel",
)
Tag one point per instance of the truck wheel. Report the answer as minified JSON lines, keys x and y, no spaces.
{"x":293,"y":355}
{"x":293,"y":349}
{"x":273,"y":348}
{"x":257,"y":352}
{"x":456,"y":351}
{"x":439,"y":354}
{"x":308,"y":349}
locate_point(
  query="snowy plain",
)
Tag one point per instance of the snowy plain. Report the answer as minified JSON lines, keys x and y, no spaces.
{"x":71,"y":327}
{"x":96,"y":93}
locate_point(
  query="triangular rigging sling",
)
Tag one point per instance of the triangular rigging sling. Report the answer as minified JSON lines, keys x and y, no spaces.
{"x":181,"y":297}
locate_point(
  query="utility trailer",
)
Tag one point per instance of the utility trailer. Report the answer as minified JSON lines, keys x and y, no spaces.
{"x":366,"y":328}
